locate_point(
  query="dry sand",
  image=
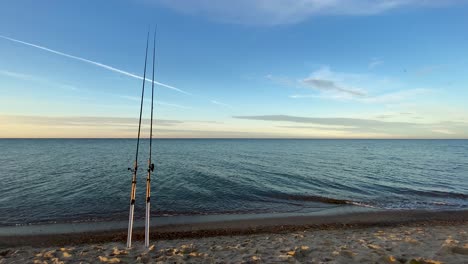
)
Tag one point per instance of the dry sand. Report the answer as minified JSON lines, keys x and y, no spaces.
{"x":417,"y":243}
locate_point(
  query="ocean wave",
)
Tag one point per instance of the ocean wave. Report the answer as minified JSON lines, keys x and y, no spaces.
{"x":436,"y":194}
{"x":322,"y":199}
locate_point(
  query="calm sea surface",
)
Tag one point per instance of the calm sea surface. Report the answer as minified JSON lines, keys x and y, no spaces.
{"x":67,"y":180}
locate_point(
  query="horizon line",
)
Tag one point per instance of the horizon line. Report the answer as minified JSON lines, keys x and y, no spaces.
{"x":276,"y":138}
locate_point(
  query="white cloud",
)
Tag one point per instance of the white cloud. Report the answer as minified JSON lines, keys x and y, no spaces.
{"x":341,"y":86}
{"x":336,"y":85}
{"x":331,"y":86}
{"x":328,"y":83}
{"x":274,"y":12}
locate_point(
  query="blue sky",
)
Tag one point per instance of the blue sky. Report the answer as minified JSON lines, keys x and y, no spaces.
{"x":301,"y":69}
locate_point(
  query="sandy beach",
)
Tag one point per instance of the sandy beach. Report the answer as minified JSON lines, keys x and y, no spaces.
{"x":416,"y":244}
{"x":428,"y":240}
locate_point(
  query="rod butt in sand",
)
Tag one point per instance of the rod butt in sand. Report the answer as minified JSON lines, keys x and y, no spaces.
{"x":147,"y":222}
{"x":130,"y":226}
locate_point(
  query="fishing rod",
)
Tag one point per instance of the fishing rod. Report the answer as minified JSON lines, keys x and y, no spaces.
{"x":150,"y":164}
{"x":135,"y":164}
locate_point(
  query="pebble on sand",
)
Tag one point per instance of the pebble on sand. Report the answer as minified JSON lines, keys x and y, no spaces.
{"x":108,"y":260}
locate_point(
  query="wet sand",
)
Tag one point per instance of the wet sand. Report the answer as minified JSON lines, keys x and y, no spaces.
{"x":374,"y":237}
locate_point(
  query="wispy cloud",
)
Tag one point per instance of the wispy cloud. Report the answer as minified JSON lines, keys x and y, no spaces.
{"x":77,"y":126}
{"x":330,"y":85}
{"x":19,"y":126}
{"x":342,"y":86}
{"x":362,"y":126}
{"x":220,"y":103}
{"x":375,"y":62}
{"x":385,"y":98}
{"x":353,"y":122}
{"x":281,"y":80}
{"x":427,"y":70}
{"x":69,"y":87}
{"x":128,"y":97}
{"x":82,"y":121}
{"x":28,"y":77}
{"x":98,"y":64}
{"x":173,"y":105}
{"x":16,"y":75}
{"x":321,"y":127}
{"x":394,"y":97}
{"x":299,"y":96}
{"x":444,"y":131}
{"x":158,"y":102}
{"x":274,"y":12}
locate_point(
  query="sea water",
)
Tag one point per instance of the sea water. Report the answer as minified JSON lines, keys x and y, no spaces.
{"x":85,"y":180}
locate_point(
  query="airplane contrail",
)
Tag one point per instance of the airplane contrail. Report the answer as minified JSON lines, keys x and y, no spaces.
{"x":94,"y":63}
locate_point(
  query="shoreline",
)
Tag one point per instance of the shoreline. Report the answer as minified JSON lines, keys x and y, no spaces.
{"x":251,"y":226}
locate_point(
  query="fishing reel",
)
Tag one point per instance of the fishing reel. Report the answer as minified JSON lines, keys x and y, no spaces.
{"x":133,"y":170}
{"x":151,"y":167}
